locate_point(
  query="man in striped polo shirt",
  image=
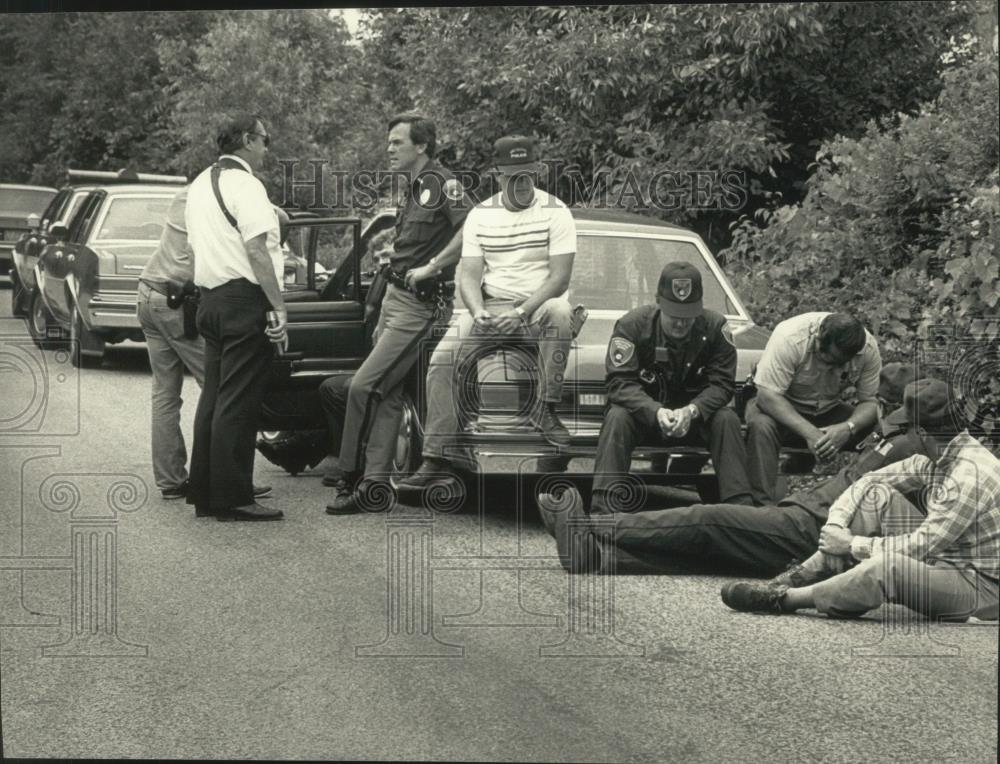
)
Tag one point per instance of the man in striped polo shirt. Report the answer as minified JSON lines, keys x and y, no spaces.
{"x":517,"y":258}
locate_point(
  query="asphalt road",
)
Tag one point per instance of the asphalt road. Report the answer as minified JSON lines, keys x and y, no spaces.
{"x":130,"y":629}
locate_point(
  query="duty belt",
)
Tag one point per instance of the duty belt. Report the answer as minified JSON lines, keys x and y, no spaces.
{"x":436,"y":290}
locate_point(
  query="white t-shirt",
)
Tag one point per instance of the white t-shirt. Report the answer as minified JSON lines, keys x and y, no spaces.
{"x":516,"y":246}
{"x":219,"y":251}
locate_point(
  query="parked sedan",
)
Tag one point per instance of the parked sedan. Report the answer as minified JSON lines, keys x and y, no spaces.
{"x":88,"y":271}
{"x":17,"y":205}
{"x":25,"y":300}
{"x":617,"y":266}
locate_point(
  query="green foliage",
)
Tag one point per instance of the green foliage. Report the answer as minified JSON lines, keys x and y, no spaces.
{"x":899,"y":227}
{"x":639,"y":89}
{"x":294,"y":68}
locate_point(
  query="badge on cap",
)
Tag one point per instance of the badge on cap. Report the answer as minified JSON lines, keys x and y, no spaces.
{"x":621,"y":351}
{"x":681,"y":288}
{"x":425,"y":196}
{"x":453,"y":189}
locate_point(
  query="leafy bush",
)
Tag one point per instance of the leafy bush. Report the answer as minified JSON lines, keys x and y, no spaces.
{"x":898,"y":227}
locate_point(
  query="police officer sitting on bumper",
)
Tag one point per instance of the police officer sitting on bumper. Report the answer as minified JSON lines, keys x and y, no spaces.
{"x":671,"y":370}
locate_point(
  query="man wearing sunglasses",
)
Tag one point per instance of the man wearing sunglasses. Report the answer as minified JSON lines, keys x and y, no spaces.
{"x":809,"y":363}
{"x":238,"y":265}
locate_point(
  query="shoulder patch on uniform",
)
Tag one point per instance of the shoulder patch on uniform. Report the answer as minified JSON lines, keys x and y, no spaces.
{"x":453,"y":189}
{"x":727,"y":334}
{"x":620,"y":351}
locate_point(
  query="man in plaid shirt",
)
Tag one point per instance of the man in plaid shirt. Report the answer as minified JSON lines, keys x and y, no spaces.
{"x":877,"y":547}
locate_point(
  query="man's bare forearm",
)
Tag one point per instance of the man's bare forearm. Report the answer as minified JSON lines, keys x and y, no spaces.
{"x":260,"y":262}
{"x":551,"y":287}
{"x":471,"y":289}
{"x":781,"y":410}
{"x":864,"y":415}
{"x":450,"y":255}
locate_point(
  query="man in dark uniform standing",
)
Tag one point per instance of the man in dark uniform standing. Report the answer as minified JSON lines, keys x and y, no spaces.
{"x":419,"y":297}
{"x":671,"y":370}
{"x":233,"y":231}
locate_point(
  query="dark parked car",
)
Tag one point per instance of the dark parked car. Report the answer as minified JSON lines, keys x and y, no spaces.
{"x":88,"y":267}
{"x":616,"y":268}
{"x":27,"y":249}
{"x":20,"y":208}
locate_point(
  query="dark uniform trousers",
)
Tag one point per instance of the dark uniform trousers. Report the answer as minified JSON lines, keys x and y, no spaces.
{"x":231,"y":318}
{"x":375,"y":397}
{"x":739,"y":539}
{"x":766,"y":436}
{"x":621,"y":432}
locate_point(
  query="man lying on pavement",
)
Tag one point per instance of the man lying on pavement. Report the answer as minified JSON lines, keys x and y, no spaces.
{"x":879,"y":548}
{"x":722,"y":537}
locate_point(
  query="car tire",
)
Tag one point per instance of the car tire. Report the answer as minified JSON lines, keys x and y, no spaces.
{"x":19,"y":296}
{"x":41,"y":325}
{"x":409,"y":442}
{"x":86,"y":347}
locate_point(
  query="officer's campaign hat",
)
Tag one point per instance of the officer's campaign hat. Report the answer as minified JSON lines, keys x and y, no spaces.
{"x":679,"y":290}
{"x":926,"y":403}
{"x":515,"y":153}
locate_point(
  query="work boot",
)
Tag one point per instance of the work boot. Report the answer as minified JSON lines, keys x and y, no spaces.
{"x":546,"y":421}
{"x":754,"y":597}
{"x":578,"y":547}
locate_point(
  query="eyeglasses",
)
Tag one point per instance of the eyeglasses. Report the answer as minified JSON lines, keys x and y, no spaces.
{"x":267,"y":139}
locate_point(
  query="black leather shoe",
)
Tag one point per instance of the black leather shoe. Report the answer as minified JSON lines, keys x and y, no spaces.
{"x":370,"y":496}
{"x":179,"y":492}
{"x":437,"y":475}
{"x":547,"y":422}
{"x":251,"y":512}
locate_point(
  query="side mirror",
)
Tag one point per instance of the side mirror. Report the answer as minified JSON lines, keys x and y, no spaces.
{"x":59,"y":231}
{"x":34,"y":219}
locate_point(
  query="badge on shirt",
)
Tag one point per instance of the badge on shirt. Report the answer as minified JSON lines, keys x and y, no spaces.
{"x":453,"y":189}
{"x":621,"y":351}
{"x":425,"y":197}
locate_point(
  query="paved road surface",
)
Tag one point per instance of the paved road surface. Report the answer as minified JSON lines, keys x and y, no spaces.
{"x":282,"y":640}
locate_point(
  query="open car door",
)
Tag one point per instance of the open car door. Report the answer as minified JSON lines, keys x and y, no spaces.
{"x":329,"y":331}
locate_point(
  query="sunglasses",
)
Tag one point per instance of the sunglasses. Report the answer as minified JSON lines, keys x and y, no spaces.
{"x":267,"y":139}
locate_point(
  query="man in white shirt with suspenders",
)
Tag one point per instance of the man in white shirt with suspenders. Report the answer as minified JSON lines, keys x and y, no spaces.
{"x":236,"y":267}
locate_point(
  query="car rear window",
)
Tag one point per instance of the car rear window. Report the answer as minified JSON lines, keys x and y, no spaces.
{"x":136,"y":218}
{"x":21,"y":202}
{"x":621,"y":272}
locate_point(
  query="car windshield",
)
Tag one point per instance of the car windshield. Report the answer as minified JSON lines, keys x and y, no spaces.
{"x":22,"y":202}
{"x":135,"y":218}
{"x":621,"y":272}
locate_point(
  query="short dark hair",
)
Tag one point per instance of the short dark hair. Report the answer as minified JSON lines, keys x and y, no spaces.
{"x":230,"y":137}
{"x":843,"y":332}
{"x":422,"y":130}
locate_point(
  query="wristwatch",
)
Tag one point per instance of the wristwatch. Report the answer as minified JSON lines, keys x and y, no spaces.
{"x":851,"y":426}
{"x":520,"y":311}
{"x":694,"y":410}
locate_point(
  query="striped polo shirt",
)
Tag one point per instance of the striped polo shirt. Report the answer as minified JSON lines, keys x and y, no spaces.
{"x":516,"y":246}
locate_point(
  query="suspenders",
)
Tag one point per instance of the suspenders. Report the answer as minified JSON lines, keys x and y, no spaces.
{"x":217,"y":168}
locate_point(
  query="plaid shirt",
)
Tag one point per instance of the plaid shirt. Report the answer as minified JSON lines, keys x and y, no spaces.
{"x":961,"y":490}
